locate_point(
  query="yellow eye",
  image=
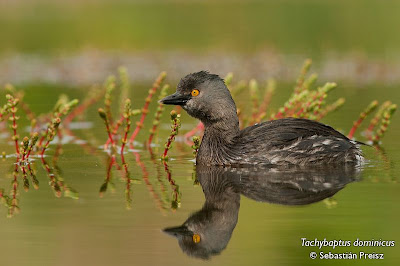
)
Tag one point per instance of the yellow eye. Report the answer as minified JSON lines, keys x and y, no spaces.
{"x":195,"y":92}
{"x":196,"y":238}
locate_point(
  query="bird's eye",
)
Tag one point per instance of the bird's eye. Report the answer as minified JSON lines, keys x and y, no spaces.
{"x":195,"y":92}
{"x":196,"y":238}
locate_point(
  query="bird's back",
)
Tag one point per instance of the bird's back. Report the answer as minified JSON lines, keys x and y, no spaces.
{"x":294,"y":141}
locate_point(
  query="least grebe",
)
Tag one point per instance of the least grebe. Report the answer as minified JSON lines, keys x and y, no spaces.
{"x":278,"y":142}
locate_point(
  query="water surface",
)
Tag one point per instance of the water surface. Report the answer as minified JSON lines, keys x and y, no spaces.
{"x":121,"y":228}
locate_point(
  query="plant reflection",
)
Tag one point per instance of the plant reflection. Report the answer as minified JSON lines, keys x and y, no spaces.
{"x":27,"y":168}
{"x":207,"y":232}
{"x":162,"y":200}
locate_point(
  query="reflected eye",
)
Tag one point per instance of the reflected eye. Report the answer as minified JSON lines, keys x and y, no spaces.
{"x":195,"y":92}
{"x":196,"y":237}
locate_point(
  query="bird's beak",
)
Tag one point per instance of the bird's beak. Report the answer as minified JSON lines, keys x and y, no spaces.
{"x":175,"y":99}
{"x":178,"y":231}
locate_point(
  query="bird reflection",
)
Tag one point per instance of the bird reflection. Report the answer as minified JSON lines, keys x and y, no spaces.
{"x":207,"y":232}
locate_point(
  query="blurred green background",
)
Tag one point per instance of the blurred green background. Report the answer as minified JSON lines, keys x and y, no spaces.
{"x":355,"y":41}
{"x":307,"y":27}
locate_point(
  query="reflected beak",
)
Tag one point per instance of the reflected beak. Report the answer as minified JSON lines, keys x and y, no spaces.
{"x":178,"y":231}
{"x":175,"y":99}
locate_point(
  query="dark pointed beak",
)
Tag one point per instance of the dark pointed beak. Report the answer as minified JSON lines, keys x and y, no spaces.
{"x":175,"y":99}
{"x":178,"y":231}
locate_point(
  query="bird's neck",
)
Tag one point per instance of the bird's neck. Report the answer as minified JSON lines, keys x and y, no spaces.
{"x":218,"y":139}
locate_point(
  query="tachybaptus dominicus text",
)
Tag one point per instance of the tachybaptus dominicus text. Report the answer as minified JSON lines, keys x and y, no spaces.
{"x":278,"y":142}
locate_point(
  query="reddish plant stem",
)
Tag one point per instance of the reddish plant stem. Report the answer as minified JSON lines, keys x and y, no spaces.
{"x":376,"y":118}
{"x":145,"y":176}
{"x":145,"y":109}
{"x":159,"y":112}
{"x":82,"y":108}
{"x":52,"y":177}
{"x":58,"y":149}
{"x":305,"y":107}
{"x":171,"y":182}
{"x":318,"y":109}
{"x":24,"y":176}
{"x":109,"y":136}
{"x":139,"y":124}
{"x":44,"y":148}
{"x":14,"y":127}
{"x":117,"y":166}
{"x":279,"y":114}
{"x":355,"y":126}
{"x":151,"y":134}
{"x":191,"y":133}
{"x":155,"y":125}
{"x":174,"y":131}
{"x":363,"y":115}
{"x":300,"y":80}
{"x":110,"y":165}
{"x":14,"y":188}
{"x":127,"y":117}
{"x":330,"y":108}
{"x":384,"y":124}
{"x":56,"y":117}
{"x":115,"y":130}
{"x":42,"y":138}
{"x":32,"y":174}
{"x":124,"y":140}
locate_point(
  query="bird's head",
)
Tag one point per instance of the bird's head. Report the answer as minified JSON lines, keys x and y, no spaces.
{"x":203,"y":96}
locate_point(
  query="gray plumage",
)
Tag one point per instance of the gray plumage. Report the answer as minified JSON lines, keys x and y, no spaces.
{"x":279,"y":142}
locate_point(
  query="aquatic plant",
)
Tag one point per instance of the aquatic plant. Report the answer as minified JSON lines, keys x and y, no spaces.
{"x":31,"y":144}
{"x":127,"y":117}
{"x":124,"y":86}
{"x":158,"y":114}
{"x":93,"y":96}
{"x":110,"y":86}
{"x":176,"y":194}
{"x":385,"y":122}
{"x":176,"y":124}
{"x":103,"y":115}
{"x":330,"y":108}
{"x":196,"y":145}
{"x":61,"y":109}
{"x":12,"y":107}
{"x":145,"y":108}
{"x":370,"y":108}
{"x":375,"y":120}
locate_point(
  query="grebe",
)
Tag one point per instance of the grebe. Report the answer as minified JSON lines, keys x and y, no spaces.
{"x":287,"y":141}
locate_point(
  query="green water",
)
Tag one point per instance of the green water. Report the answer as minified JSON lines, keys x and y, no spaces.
{"x":94,"y":230}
